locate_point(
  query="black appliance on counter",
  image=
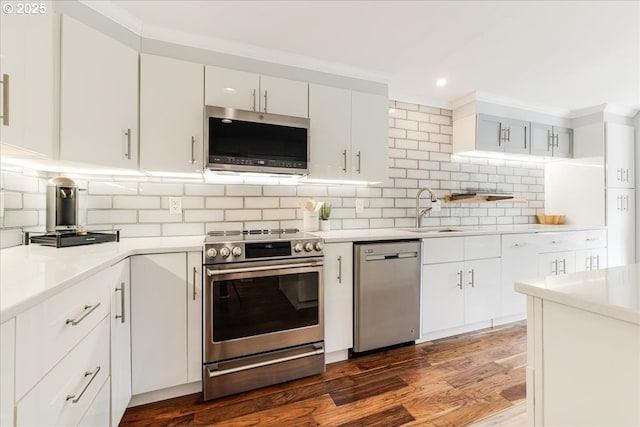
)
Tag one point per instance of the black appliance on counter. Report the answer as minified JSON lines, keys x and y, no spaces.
{"x":63,"y":239}
{"x":262,"y":309}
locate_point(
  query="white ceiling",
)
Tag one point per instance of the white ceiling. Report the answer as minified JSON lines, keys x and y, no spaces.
{"x":549,"y":54}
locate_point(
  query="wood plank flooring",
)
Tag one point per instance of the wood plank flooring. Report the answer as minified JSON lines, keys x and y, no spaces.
{"x":454,"y":381}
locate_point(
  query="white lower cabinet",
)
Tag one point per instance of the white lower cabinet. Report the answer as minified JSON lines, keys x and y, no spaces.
{"x":160,"y":329}
{"x":621,"y":226}
{"x":459,"y":287}
{"x":7,"y":370}
{"x":557,"y":263}
{"x":98,"y":413}
{"x":120,"y":341}
{"x":194,"y":316}
{"x":591,"y":259}
{"x":64,"y":395}
{"x":519,"y":261}
{"x":338,"y":296}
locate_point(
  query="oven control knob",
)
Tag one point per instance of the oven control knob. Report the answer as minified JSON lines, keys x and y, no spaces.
{"x":308,"y":246}
{"x":318,"y":246}
{"x":297,"y":247}
{"x":211,"y":253}
{"x":236,"y":251}
{"x":224,"y":252}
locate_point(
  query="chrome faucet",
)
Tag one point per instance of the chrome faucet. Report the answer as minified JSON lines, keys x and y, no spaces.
{"x":420,"y":213}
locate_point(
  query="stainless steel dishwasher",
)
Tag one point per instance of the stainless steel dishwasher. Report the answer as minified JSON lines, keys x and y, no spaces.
{"x":386,"y":294}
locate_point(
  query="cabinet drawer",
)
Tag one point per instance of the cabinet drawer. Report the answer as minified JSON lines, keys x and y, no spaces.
{"x":442,"y":249}
{"x":556,"y":242}
{"x":480,"y":247}
{"x":48,"y":331}
{"x":66,"y":392}
{"x":590,"y":239}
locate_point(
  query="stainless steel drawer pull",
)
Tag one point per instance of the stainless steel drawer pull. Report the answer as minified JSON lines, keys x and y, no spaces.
{"x":88,"y":310}
{"x":554,"y":267}
{"x":597,"y":267}
{"x":5,"y":99}
{"x":193,"y":150}
{"x":214,"y":373}
{"x":358,"y":156}
{"x":473,"y":279}
{"x":459,"y":273}
{"x":265,"y":101}
{"x":128,"y":153}
{"x":195,"y":275}
{"x":75,"y":398}
{"x":122,"y":302}
{"x":340,"y":269}
{"x":254,"y":100}
{"x":344,"y":160}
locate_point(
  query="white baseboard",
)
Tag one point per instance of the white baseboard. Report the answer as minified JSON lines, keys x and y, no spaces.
{"x":336,"y":356}
{"x":165,"y":393}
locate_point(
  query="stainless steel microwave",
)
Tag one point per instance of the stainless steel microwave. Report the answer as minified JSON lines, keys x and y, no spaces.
{"x":250,"y":141}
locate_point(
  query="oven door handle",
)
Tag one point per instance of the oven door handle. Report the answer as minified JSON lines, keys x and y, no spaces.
{"x":212,"y":272}
{"x":215,"y":373}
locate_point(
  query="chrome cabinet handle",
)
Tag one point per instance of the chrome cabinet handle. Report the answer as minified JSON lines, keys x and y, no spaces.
{"x":254,"y":100}
{"x":5,"y":99}
{"x":128,"y":153}
{"x":340,"y":269}
{"x":549,"y":140}
{"x":508,"y":134}
{"x":88,"y":310}
{"x":618,"y":174}
{"x":459,"y":273}
{"x":501,"y":137}
{"x":344,"y":160}
{"x":265,"y":101}
{"x":358,"y":156}
{"x":554,"y":266}
{"x":525,"y":137}
{"x":212,"y":372}
{"x":195,"y":273}
{"x":588,"y":263}
{"x":626,"y":171}
{"x":618,"y":203}
{"x":564,"y":266}
{"x":557,"y":138}
{"x":472,"y":283}
{"x":193,"y":150}
{"x":75,"y":398}
{"x":122,"y":302}
{"x":597,"y":262}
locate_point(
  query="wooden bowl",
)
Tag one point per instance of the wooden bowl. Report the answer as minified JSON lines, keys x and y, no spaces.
{"x":551,"y":219}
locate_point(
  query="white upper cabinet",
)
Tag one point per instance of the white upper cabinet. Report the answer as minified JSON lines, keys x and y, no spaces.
{"x":248,"y":91}
{"x":99,"y":98}
{"x":29,"y":47}
{"x":330,"y":139}
{"x":620,"y":154}
{"x":349,"y":134}
{"x":547,"y":140}
{"x":171,"y":114}
{"x":369,"y":136}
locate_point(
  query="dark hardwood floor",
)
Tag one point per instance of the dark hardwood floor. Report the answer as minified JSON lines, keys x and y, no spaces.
{"x":454,"y":381}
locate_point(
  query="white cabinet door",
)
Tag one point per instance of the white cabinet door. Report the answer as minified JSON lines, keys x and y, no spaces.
{"x":171,"y":114}
{"x":489,"y":133}
{"x":158,"y":321}
{"x":519,"y":261}
{"x":7,"y":371}
{"x":98,"y":413}
{"x":194,"y":316}
{"x":482,"y":292}
{"x":330,"y":115}
{"x":99,"y":98}
{"x":621,"y":225}
{"x":442,"y":296}
{"x":369,"y":136}
{"x":29,"y":46}
{"x":557,"y":263}
{"x":283,"y":96}
{"x":338,"y":296}
{"x":620,"y":155}
{"x":591,"y":259}
{"x":120,"y":341}
{"x":231,"y":88}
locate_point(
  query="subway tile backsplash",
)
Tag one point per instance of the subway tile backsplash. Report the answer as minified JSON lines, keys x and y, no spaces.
{"x":419,"y":156}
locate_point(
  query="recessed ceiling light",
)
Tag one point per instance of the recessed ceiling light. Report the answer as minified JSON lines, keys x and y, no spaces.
{"x":229,"y":90}
{"x":441,"y":82}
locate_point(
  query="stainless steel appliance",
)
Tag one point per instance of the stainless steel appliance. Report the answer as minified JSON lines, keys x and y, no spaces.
{"x":62,"y":205}
{"x":263,"y":309}
{"x":386,"y":294}
{"x":250,"y":141}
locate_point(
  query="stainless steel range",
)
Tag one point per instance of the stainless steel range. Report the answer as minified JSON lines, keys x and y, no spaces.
{"x":263,"y":309}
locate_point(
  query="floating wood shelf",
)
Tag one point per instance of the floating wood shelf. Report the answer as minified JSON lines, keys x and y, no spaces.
{"x":483,"y":198}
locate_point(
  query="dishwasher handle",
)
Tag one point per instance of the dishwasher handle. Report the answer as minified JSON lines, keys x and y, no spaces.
{"x":382,"y":257}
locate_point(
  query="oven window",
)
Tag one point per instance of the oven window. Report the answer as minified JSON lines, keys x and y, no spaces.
{"x":259,"y":305}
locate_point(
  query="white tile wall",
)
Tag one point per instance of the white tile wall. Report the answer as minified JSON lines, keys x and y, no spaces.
{"x":420,"y":155}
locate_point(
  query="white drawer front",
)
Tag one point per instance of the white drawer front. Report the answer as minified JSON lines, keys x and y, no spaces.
{"x":556,"y":242}
{"x":590,"y":239}
{"x":442,"y":249}
{"x":48,"y":331}
{"x":98,"y":415}
{"x":64,"y":394}
{"x":480,"y":247}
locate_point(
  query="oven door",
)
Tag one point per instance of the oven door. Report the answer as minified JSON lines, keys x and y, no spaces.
{"x":256,"y":307}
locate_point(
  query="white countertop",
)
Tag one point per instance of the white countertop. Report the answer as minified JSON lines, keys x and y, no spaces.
{"x":612,"y":292}
{"x":336,"y":236}
{"x":31,"y":274}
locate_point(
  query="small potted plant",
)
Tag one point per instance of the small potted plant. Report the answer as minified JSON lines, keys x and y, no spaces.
{"x":325,"y":213}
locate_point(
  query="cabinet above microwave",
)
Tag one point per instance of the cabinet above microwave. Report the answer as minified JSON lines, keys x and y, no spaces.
{"x":249,"y":141}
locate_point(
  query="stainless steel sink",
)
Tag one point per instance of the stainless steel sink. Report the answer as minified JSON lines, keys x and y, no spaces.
{"x":428,"y":230}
